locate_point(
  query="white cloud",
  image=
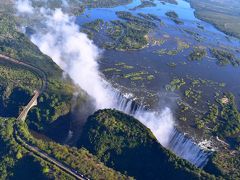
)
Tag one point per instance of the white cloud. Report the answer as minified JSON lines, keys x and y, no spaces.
{"x":24,"y":6}
{"x":75,"y":54}
{"x":78,"y":56}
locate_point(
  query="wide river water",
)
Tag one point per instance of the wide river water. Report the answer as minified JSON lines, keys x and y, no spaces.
{"x":148,"y":61}
{"x":75,"y":54}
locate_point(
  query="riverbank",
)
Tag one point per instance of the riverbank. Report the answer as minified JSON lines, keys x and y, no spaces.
{"x":223,"y":15}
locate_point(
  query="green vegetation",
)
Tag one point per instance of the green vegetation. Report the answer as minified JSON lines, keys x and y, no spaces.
{"x":200,"y":26}
{"x":197,"y":54}
{"x":223,"y":119}
{"x":119,"y":141}
{"x":172,"y":64}
{"x":130,"y":34}
{"x":230,"y":117}
{"x":134,"y":19}
{"x":183,"y":108}
{"x":128,"y":67}
{"x":111,"y":70}
{"x":78,"y":159}
{"x":195,"y":91}
{"x":18,"y":163}
{"x":92,"y":28}
{"x":18,"y":83}
{"x":130,"y":74}
{"x":172,"y":14}
{"x":174,"y":17}
{"x":226,"y":164}
{"x":18,"y":76}
{"x":115,"y":30}
{"x":181,"y":45}
{"x":195,"y":35}
{"x":94,"y":25}
{"x":128,"y":38}
{"x":77,"y":7}
{"x":135,"y":74}
{"x":150,"y":77}
{"x":16,"y":45}
{"x":223,"y":14}
{"x":170,"y":1}
{"x":124,"y":65}
{"x":219,"y":119}
{"x":210,"y":117}
{"x":195,"y":95}
{"x":150,"y":17}
{"x":54,"y":104}
{"x":177,"y":21}
{"x":105,"y":3}
{"x":139,"y":76}
{"x":74,"y":7}
{"x":193,"y":103}
{"x":224,"y":57}
{"x":144,"y":4}
{"x":122,"y":142}
{"x":167,"y":52}
{"x":175,"y":84}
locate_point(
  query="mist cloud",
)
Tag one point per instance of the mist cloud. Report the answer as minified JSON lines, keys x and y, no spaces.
{"x":24,"y":6}
{"x":78,"y":56}
{"x":65,"y":3}
{"x":161,"y":123}
{"x":74,"y":53}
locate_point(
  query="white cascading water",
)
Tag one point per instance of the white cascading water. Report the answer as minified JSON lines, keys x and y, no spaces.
{"x":185,"y":147}
{"x":77,"y":55}
{"x":175,"y":141}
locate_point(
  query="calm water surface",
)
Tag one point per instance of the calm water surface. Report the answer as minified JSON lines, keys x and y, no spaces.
{"x":149,"y":61}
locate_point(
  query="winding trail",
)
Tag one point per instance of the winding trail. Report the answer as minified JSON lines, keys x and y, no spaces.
{"x":35,"y":150}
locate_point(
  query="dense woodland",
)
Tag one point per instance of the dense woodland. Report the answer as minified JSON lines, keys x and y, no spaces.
{"x":123,"y":143}
{"x":57,"y":99}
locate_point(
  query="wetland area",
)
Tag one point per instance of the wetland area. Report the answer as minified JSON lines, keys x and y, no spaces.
{"x":174,"y":58}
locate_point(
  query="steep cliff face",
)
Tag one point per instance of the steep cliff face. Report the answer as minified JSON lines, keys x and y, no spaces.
{"x":17,"y":161}
{"x":125,"y":144}
{"x":19,"y":82}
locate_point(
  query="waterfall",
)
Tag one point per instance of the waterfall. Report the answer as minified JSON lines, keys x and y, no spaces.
{"x":78,"y":56}
{"x":186,"y":148}
{"x":176,"y":141}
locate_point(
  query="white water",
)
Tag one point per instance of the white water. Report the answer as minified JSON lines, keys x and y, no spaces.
{"x":78,"y":56}
{"x":24,"y":6}
{"x":186,"y":148}
{"x":175,"y":141}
